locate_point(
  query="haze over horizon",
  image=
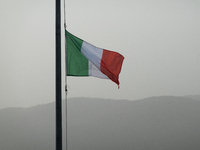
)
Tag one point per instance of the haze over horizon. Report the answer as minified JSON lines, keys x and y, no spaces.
{"x":159,"y":40}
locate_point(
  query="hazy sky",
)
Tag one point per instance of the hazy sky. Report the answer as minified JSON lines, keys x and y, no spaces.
{"x":160,"y":40}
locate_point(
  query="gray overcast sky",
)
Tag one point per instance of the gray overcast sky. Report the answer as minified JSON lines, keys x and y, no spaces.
{"x":159,"y":40}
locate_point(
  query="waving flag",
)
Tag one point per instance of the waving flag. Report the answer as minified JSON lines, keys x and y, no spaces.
{"x":84,"y":59}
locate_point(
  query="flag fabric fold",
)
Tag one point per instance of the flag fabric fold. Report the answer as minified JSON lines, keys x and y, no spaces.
{"x":85,"y":59}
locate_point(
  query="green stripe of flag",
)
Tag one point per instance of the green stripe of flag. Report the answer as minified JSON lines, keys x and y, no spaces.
{"x":77,"y":63}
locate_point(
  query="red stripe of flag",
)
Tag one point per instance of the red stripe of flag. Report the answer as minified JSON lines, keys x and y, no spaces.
{"x":111,"y":63}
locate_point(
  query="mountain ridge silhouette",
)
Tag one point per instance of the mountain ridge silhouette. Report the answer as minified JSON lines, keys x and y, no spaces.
{"x":154,"y":123}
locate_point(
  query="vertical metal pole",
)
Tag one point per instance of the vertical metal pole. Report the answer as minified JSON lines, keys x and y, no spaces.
{"x":58,"y":79}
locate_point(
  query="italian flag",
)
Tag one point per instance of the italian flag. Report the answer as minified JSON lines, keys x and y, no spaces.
{"x":84,"y":59}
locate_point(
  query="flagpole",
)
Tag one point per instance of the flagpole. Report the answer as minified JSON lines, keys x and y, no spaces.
{"x":58,"y":79}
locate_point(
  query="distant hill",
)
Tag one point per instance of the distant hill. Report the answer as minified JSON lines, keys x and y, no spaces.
{"x":156,"y":123}
{"x":27,"y":128}
{"x":195,"y":97}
